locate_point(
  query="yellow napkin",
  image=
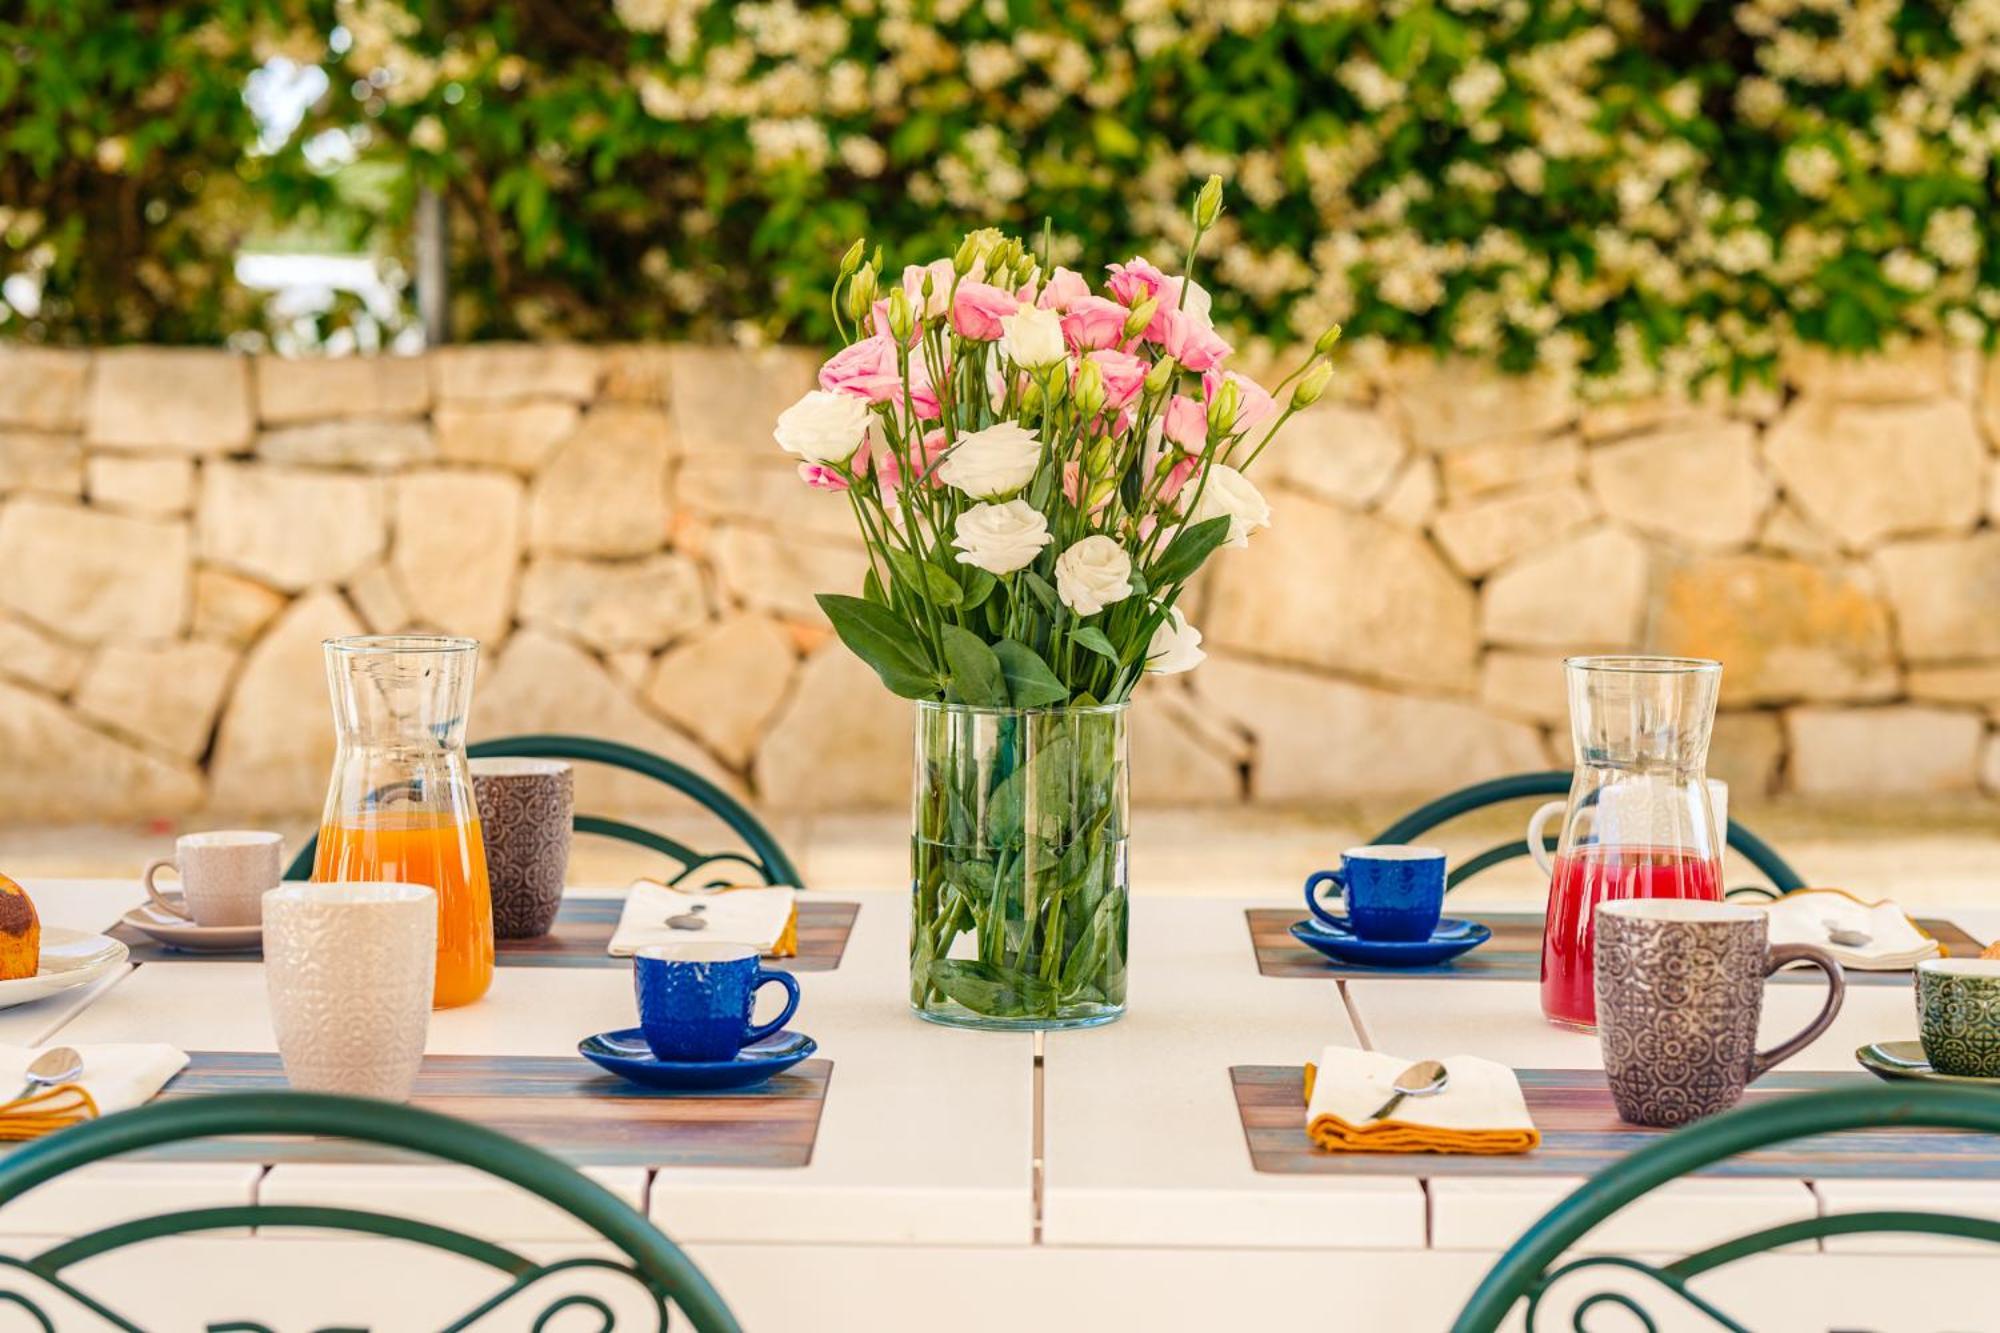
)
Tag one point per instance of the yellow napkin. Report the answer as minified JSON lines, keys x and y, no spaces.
{"x":1895,"y":944}
{"x":1481,"y":1111}
{"x":116,"y":1077}
{"x":765,"y":917}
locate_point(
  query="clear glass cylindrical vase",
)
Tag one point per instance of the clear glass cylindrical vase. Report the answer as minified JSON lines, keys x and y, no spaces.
{"x":1018,"y":870}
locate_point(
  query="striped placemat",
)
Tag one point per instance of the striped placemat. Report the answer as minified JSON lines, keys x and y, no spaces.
{"x":1582,"y":1135}
{"x":1513,"y":954}
{"x":582,"y":931}
{"x":563,"y":1104}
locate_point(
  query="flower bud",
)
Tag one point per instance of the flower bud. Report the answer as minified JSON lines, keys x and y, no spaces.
{"x":1160,"y":377}
{"x":901,"y":320}
{"x":1142,"y":315}
{"x":1089,"y":389}
{"x":1313,"y":385}
{"x":1208,"y":204}
{"x":1031,"y":399}
{"x":852,"y":259}
{"x":1327,"y":341}
{"x":1222,"y":408}
{"x":861,"y":293}
{"x":968,"y":254}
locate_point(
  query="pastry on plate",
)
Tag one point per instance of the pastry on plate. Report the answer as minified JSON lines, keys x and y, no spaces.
{"x":20,"y":933}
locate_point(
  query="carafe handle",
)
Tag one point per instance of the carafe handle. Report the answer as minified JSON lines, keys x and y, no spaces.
{"x":1836,"y":981}
{"x":1537,"y":847}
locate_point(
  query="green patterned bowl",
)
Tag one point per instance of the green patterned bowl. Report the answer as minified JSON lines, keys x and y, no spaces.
{"x":1958,"y":1015}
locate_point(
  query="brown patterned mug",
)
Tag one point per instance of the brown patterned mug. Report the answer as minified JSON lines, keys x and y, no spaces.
{"x":525,"y":810}
{"x":1680,"y":988}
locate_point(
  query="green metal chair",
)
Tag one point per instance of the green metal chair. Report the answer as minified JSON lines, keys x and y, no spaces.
{"x":1530,"y":1268}
{"x":661,"y":1274}
{"x":1555,"y":783}
{"x":764,"y":858}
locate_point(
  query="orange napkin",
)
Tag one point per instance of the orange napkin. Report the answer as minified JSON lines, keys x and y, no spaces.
{"x":1481,"y":1112}
{"x":46,"y":1111}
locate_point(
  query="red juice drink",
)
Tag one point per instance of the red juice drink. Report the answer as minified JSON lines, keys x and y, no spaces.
{"x":1597,"y":873}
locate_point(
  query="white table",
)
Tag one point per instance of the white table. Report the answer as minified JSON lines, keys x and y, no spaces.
{"x":957,"y":1183}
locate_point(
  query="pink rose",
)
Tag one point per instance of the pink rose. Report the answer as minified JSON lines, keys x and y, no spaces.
{"x":1124,"y":376}
{"x":1093,"y":323}
{"x":1186,"y":423}
{"x":942,"y":275}
{"x":977,"y":308}
{"x":1072,"y":487}
{"x":866,"y":369}
{"x":1177,"y":477}
{"x":1255,"y":408}
{"x":821,"y":477}
{"x":1064,"y":289}
{"x":1138,"y":280}
{"x":1189,"y":340}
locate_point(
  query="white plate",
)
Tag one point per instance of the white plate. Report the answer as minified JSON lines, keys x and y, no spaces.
{"x":70,"y":958}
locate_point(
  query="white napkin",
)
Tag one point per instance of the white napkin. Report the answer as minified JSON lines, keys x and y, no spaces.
{"x":1481,"y":1109}
{"x":118,"y":1076}
{"x":758,"y":917}
{"x":1806,"y":915}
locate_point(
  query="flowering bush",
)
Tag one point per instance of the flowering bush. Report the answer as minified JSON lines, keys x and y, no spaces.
{"x":1036,"y":469}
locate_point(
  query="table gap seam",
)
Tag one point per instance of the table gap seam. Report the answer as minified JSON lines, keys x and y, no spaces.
{"x":1037,"y":1152}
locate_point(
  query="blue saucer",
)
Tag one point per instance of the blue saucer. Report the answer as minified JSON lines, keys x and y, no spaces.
{"x":625,"y":1054}
{"x":1451,"y":938}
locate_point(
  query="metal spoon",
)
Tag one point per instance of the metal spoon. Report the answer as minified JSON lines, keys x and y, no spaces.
{"x":58,"y":1064}
{"x":1426,"y":1078}
{"x":692,"y":919}
{"x":1845,"y":937}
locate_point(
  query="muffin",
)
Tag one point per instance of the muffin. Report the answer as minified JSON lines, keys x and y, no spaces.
{"x":20,"y":933}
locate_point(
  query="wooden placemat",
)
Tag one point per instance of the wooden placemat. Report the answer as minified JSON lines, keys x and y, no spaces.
{"x":1513,"y":954}
{"x":563,"y":1104}
{"x":1582,"y":1135}
{"x":582,"y":931}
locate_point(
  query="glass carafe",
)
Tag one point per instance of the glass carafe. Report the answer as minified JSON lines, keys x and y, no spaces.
{"x":400,"y":807}
{"x":1638,"y":823}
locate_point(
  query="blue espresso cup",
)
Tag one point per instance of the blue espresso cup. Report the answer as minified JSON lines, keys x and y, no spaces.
{"x":1393,"y":892}
{"x":695,"y":999}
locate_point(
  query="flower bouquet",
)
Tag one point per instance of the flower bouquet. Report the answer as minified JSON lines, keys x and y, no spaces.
{"x":1037,"y":470}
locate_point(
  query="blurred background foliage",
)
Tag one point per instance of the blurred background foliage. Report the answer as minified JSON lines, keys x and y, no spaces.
{"x":1649,"y":189}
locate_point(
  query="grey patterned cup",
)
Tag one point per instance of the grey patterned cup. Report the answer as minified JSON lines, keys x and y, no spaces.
{"x":1680,"y":988}
{"x":525,"y":810}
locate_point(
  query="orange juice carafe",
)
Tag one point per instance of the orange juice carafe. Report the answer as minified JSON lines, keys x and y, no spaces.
{"x":400,"y":807}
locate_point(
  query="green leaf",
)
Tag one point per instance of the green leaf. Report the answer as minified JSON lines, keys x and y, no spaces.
{"x":979,"y":585}
{"x":875,"y":635}
{"x":1186,"y":552}
{"x":871,"y":588}
{"x":922,"y":579}
{"x":986,"y":988}
{"x":1039,"y":586}
{"x":976,"y":677}
{"x":1095,"y":640}
{"x":1030,"y":683}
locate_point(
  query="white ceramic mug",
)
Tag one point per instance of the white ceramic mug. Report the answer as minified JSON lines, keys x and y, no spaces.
{"x":224,"y":876}
{"x":350,"y":968}
{"x":1609,"y":816}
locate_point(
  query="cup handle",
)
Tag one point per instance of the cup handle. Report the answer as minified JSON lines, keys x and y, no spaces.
{"x":1538,"y":821}
{"x":1313,"y":881}
{"x":160,"y":900}
{"x":765,"y":976}
{"x":1836,"y":982}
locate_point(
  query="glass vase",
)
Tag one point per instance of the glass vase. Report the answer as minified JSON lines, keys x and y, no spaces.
{"x":1018,"y":872}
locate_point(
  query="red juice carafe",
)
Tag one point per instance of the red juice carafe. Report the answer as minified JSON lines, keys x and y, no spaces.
{"x":1638,"y":823}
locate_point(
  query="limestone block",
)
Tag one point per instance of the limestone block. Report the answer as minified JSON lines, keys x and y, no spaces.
{"x":638,"y":373}
{"x":605,"y":491}
{"x":762,"y":490}
{"x":1615,"y":418}
{"x":723,"y":685}
{"x":378,"y":598}
{"x":49,"y":464}
{"x":41,"y":388}
{"x":35,"y":657}
{"x":185,"y":400}
{"x":1783,"y":629}
{"x":364,"y":442}
{"x":329,"y":388}
{"x":1413,"y":496}
{"x":1320,"y":739}
{"x":615,"y":606}
{"x":1695,"y":485}
{"x":1174,"y":761}
{"x":92,"y":575}
{"x":1988,"y":405}
{"x":458,"y":542}
{"x":1338,"y":452}
{"x":274,"y":751}
{"x":1448,"y":403}
{"x":232,"y":609}
{"x":1331,"y":588}
{"x":59,"y":769}
{"x":516,"y":436}
{"x":288,"y":527}
{"x":726,"y":399}
{"x":1746,"y":751}
{"x":1974,"y":684}
{"x":843,"y":742}
{"x":1789,"y":532}
{"x":1916,"y":371}
{"x":1480,"y":469}
{"x":164,"y":695}
{"x":1527,"y":685}
{"x":142,"y":483}
{"x":1906,"y":749}
{"x":1484,"y":534}
{"x":1946,"y":596}
{"x":501,"y":372}
{"x":766,"y":572}
{"x":1587,"y":591}
{"x":1989,"y":767}
{"x":1865,"y":471}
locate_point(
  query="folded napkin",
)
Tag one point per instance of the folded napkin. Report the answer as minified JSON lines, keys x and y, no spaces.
{"x":115,"y":1078}
{"x":762,"y":916}
{"x":1481,"y":1110}
{"x":1895,"y":943}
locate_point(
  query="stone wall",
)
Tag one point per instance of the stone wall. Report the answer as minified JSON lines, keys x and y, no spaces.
{"x":180,"y":528}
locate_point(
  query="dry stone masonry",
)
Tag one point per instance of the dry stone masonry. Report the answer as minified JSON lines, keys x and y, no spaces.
{"x":179,"y":529}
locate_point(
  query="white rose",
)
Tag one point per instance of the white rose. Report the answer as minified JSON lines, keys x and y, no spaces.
{"x":1032,"y":337}
{"x":1093,"y":574}
{"x":1227,"y":493}
{"x":1001,"y":538}
{"x":993,"y":462}
{"x":1196,"y":302}
{"x":1176,"y":646}
{"x":823,"y":427}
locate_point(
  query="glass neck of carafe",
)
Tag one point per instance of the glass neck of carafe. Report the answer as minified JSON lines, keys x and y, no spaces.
{"x":1643,"y":714}
{"x":409,"y":693}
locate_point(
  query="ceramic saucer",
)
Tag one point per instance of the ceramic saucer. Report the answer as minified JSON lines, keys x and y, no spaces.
{"x":70,"y":958}
{"x":177,"y":932}
{"x":1451,"y":938}
{"x":1894,"y":1060}
{"x":625,"y":1054}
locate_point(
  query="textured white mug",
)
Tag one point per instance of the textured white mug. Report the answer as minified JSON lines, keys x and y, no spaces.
{"x":224,"y":876}
{"x":350,"y":968}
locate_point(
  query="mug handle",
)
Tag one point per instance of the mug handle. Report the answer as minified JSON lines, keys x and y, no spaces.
{"x":1836,"y":982}
{"x":160,"y":900}
{"x":765,"y":976}
{"x":1313,"y":881}
{"x":1536,"y":823}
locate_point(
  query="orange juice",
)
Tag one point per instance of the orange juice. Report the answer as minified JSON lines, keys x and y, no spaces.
{"x":449,"y":856}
